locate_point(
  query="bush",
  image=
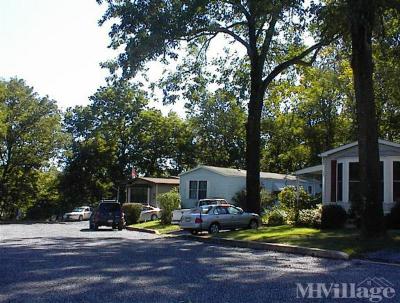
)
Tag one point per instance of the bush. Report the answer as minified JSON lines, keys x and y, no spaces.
{"x":168,"y":202}
{"x":288,"y":201}
{"x":267,"y":199}
{"x":310,"y":217}
{"x":132,"y":212}
{"x":275,"y":217}
{"x":393,"y":218}
{"x":333,"y":216}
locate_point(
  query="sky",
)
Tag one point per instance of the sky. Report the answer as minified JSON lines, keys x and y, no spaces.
{"x":56,"y":47}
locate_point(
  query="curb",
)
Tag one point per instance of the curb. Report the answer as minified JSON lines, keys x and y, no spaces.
{"x":291,"y":249}
{"x":143,"y":230}
{"x":30,"y":222}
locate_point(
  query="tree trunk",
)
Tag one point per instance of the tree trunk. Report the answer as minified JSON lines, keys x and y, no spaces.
{"x":362,"y":16}
{"x":253,"y":141}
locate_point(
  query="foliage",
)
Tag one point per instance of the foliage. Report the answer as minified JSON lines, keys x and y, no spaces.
{"x":168,"y":202}
{"x":268,"y":199}
{"x":333,"y":216}
{"x":47,"y":196}
{"x":275,"y":217}
{"x":292,"y":202}
{"x":393,"y":218}
{"x":310,"y":217}
{"x":132,"y":212}
{"x":114,"y":133}
{"x":218,"y":124}
{"x":30,"y":139}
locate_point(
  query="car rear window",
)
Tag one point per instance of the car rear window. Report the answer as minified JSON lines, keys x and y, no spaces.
{"x":110,"y":206}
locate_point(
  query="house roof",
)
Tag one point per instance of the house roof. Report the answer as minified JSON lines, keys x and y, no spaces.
{"x":317,"y":169}
{"x":170,"y":180}
{"x":350,"y":145}
{"x":234,"y":172}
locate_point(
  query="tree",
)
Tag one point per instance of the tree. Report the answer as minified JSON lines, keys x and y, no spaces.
{"x":362,"y":17}
{"x":30,"y":138}
{"x":270,"y":32}
{"x":218,"y":123}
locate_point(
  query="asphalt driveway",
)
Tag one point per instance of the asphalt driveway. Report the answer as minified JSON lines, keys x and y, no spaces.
{"x":68,"y":263}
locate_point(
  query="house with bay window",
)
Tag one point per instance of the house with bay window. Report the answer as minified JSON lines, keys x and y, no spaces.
{"x":220,"y":182}
{"x":341,"y":179}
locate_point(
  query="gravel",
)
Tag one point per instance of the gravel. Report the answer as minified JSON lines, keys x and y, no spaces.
{"x":69,"y":263}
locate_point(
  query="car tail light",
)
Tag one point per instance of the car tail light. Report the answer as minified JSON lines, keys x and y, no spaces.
{"x":198,"y":220}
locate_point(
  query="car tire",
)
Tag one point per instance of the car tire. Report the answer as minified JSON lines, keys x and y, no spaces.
{"x":154,"y":217}
{"x":253,"y":224}
{"x":80,"y":218}
{"x":214,"y":228}
{"x":194,"y":232}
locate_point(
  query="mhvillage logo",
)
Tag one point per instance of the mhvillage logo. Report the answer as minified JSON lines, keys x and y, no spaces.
{"x":371,"y":289}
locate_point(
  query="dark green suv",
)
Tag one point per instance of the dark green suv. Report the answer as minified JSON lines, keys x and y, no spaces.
{"x":107,"y":214}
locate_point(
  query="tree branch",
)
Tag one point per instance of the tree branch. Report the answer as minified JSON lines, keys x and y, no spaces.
{"x":295,"y":60}
{"x":214,"y":31}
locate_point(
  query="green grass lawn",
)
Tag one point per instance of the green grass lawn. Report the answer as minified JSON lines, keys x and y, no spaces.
{"x":156,"y":225}
{"x":346,"y":240}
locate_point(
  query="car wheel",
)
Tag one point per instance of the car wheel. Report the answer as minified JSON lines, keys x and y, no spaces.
{"x":253,"y":224}
{"x":80,"y":218}
{"x":194,"y":232}
{"x":154,"y":217}
{"x":214,"y":228}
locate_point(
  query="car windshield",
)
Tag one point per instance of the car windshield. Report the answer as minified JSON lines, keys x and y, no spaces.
{"x":78,"y":209}
{"x":110,"y":206}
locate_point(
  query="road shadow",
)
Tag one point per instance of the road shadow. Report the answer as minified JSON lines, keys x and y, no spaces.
{"x":60,"y":269}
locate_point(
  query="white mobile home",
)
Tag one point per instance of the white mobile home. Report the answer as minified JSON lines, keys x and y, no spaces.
{"x":340,"y":174}
{"x":218,"y":182}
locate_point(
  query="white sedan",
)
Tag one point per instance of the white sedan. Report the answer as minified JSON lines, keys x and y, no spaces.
{"x":149,"y":213}
{"x":79,"y":214}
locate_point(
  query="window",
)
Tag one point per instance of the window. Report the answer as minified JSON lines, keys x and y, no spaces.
{"x":354,"y":181}
{"x":234,"y":210}
{"x":396,"y":181}
{"x":340,"y":182}
{"x":197,"y":189}
{"x":310,"y":189}
{"x":202,"y":190}
{"x":192,"y":189}
{"x":221,"y":210}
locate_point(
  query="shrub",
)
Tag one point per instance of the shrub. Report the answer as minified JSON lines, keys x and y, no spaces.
{"x":393,"y":218}
{"x":310,"y":217}
{"x":292,"y":204}
{"x":275,"y":217}
{"x":132,"y":212}
{"x":333,"y":216}
{"x":168,"y":202}
{"x":267,"y":199}
{"x":239,"y":199}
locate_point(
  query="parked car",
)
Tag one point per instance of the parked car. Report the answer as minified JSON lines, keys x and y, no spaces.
{"x":177,"y":214}
{"x":149,"y":213}
{"x":216,"y":217}
{"x":78,"y":214}
{"x":107,"y":214}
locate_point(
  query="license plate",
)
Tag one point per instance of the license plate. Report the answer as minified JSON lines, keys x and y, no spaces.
{"x":109,"y":221}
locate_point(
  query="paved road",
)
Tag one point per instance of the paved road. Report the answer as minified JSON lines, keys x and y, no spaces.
{"x":68,"y":263}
